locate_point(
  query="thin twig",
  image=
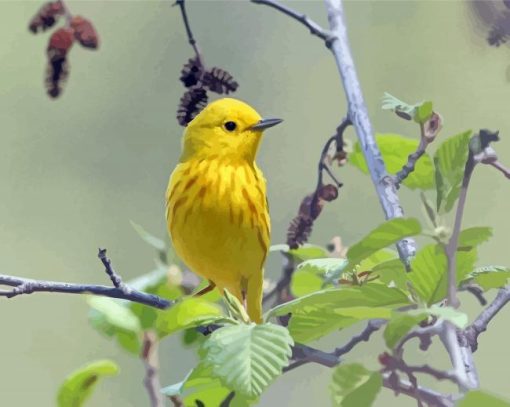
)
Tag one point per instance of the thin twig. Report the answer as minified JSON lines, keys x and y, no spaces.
{"x":481,"y":322}
{"x":373,"y":326}
{"x":315,"y":29}
{"x":150,"y":358}
{"x":29,"y":286}
{"x":500,"y":167}
{"x":189,"y":33}
{"x":429,"y":396}
{"x":409,"y":166}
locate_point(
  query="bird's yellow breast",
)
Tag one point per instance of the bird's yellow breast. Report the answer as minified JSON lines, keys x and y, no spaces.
{"x":218,"y":218}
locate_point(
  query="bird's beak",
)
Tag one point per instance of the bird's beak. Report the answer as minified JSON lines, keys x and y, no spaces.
{"x":263,"y":124}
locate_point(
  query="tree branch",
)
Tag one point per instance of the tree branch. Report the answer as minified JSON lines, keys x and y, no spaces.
{"x":373,"y":326}
{"x":429,"y":396}
{"x":150,"y":360}
{"x":315,"y":29}
{"x":358,"y":114}
{"x":189,"y":33}
{"x":480,"y":324}
{"x":120,"y":290}
{"x":501,"y":168}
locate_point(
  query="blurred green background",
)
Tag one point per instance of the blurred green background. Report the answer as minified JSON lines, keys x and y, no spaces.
{"x":74,"y":171}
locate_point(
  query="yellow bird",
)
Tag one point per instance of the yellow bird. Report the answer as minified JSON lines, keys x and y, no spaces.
{"x":216,"y":205}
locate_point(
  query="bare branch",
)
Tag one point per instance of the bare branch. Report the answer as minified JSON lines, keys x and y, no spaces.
{"x":500,"y":167}
{"x":480,"y":324}
{"x":150,"y":358}
{"x":315,"y":29}
{"x":120,"y":290}
{"x":429,"y":396}
{"x":189,"y":33}
{"x":358,"y":114}
{"x":373,"y":326}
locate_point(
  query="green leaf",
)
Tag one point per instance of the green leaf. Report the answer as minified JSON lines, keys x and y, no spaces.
{"x":450,"y":160}
{"x":200,"y":385}
{"x":382,"y":236}
{"x":312,"y":275}
{"x":395,"y":150}
{"x":471,"y":237}
{"x":423,"y":112}
{"x":392,"y":273}
{"x":399,"y":326}
{"x":155,"y":242}
{"x":322,"y":312}
{"x":80,"y":384}
{"x":401,"y":108}
{"x":247,"y":358}
{"x":355,"y":386}
{"x":235,"y":308}
{"x":308,"y":252}
{"x":477,"y":398}
{"x":115,"y":313}
{"x":282,"y":247}
{"x":191,"y":312}
{"x":489,"y":277}
{"x":456,"y":317}
{"x":429,"y":271}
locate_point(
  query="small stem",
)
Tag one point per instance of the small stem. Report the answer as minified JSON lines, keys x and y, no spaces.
{"x":413,"y":158}
{"x":67,"y":13}
{"x":150,"y":360}
{"x":189,"y":33}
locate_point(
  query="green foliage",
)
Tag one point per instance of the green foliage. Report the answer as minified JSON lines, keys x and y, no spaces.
{"x":395,"y":150}
{"x":114,"y":319}
{"x":191,"y":312}
{"x":381,"y":237}
{"x":429,"y":271}
{"x":392,"y":273}
{"x":399,"y":326}
{"x":354,"y":386}
{"x":402,"y":322}
{"x":247,"y":357}
{"x":489,"y":277}
{"x":477,"y":398}
{"x":450,"y":160}
{"x":472,"y":237}
{"x":323,"y":312}
{"x":312,"y":275}
{"x":80,"y":384}
{"x":423,"y":112}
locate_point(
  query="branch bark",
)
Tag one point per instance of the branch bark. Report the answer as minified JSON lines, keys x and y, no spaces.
{"x":150,"y":360}
{"x":119,"y":289}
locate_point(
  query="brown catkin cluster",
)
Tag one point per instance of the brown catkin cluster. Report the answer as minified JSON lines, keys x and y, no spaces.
{"x":61,"y":41}
{"x":198,"y":81}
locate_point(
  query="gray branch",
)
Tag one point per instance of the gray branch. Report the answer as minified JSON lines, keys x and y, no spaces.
{"x":358,"y":114}
{"x":480,"y":324}
{"x":119,"y":290}
{"x":150,"y":358}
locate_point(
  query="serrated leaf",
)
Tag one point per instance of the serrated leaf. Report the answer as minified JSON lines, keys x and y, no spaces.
{"x":312,"y":275}
{"x":80,"y":384}
{"x":489,"y":277}
{"x":474,"y":236}
{"x":381,"y":237}
{"x":477,"y":398}
{"x":395,"y":150}
{"x":191,"y":312}
{"x":399,"y":326}
{"x":323,"y":312}
{"x":247,"y":358}
{"x":423,"y":112}
{"x":354,"y":386}
{"x":450,"y":160}
{"x":380,"y":256}
{"x":305,"y":282}
{"x":390,"y":102}
{"x":154,"y":241}
{"x":429,"y":271}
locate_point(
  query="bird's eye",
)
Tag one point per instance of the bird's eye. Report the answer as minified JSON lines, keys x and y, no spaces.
{"x":230,"y":126}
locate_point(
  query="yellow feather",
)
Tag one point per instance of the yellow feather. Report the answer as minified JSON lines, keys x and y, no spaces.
{"x":216,"y":204}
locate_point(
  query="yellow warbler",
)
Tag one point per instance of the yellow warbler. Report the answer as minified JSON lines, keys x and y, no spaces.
{"x":216,"y":206}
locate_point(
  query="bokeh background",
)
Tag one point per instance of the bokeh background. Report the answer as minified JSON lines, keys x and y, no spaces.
{"x":74,"y":171}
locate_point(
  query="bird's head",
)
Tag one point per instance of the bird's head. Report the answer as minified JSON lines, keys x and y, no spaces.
{"x":225,"y":128}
